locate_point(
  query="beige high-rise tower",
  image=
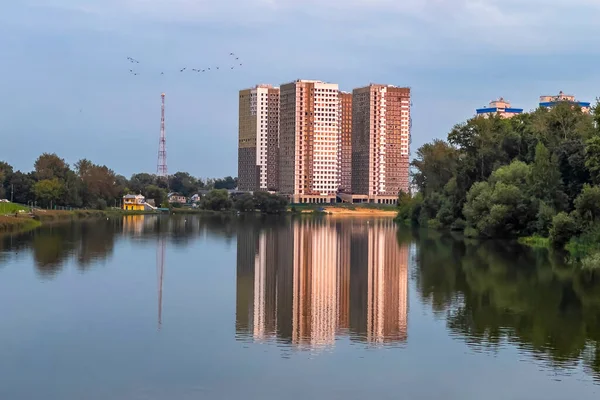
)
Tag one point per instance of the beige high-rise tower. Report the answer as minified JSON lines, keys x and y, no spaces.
{"x":258,"y":148}
{"x":309,"y":141}
{"x":345,"y":156}
{"x":380,"y":143}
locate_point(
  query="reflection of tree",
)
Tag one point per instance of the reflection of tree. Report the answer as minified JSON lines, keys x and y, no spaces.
{"x":496,"y":291}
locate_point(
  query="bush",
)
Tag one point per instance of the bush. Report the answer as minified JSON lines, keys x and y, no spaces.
{"x":458,"y":225}
{"x":564,"y":227}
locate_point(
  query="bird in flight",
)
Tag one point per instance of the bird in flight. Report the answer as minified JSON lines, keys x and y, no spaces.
{"x":183,"y":69}
{"x":132,"y":60}
{"x":231,"y":54}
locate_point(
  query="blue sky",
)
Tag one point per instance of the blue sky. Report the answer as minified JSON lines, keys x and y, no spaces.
{"x":66,"y":86}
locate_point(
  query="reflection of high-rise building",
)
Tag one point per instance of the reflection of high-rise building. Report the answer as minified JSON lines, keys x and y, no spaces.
{"x":379,"y":284}
{"x":309,"y":281}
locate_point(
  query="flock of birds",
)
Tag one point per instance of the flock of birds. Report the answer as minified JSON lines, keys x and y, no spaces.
{"x":234,"y":60}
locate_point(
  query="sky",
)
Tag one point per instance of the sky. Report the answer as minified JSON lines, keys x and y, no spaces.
{"x":66,"y":86}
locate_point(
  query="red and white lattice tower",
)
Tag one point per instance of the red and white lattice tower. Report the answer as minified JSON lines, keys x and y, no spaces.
{"x":161,"y":168}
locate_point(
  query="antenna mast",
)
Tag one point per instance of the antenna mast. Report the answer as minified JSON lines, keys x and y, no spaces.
{"x":161,"y":169}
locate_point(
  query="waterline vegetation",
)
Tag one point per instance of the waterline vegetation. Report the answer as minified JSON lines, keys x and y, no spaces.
{"x":533,"y":176}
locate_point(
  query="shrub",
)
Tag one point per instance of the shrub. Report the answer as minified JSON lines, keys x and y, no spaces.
{"x":563,"y":229}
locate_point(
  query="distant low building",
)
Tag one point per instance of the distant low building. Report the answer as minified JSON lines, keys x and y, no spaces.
{"x":499,"y":107}
{"x":551,"y":101}
{"x":176,"y":198}
{"x":134,"y":202}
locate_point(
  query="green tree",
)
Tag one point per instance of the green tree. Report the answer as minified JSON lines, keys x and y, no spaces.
{"x":592,"y":157}
{"x":6,"y":171}
{"x":216,"y":200}
{"x":245,"y":203}
{"x":49,"y":166}
{"x":587,"y":204}
{"x":22,"y":186}
{"x":48,"y":191}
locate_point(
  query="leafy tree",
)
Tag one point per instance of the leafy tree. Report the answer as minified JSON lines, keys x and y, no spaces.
{"x":270,"y":203}
{"x":49,"y":166}
{"x":245,"y":203}
{"x":226,"y":183}
{"x":216,"y":200}
{"x":435,"y":165}
{"x":587,"y":204}
{"x":501,"y":207}
{"x":22,"y":185}
{"x":159,"y":195}
{"x":564,"y":227}
{"x":592,"y":157}
{"x":48,"y":191}
{"x":184,"y":183}
{"x":6,"y":171}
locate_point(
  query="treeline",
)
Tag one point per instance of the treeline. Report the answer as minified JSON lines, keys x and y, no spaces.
{"x":219,"y":200}
{"x":537,"y":173}
{"x":87,"y":185}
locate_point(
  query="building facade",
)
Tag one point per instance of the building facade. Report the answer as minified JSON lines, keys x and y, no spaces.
{"x":551,"y":101}
{"x":499,"y":107}
{"x":134,"y":202}
{"x":345,"y":138}
{"x":380,"y":143}
{"x":309,"y":141}
{"x":258,"y":142}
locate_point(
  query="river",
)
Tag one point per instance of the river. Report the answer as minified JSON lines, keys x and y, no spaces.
{"x":224,"y":307}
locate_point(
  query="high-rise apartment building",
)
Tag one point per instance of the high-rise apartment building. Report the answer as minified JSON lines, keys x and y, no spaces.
{"x":258,"y":148}
{"x":309,"y":141}
{"x":380,"y":143}
{"x":345,"y":138}
{"x":551,"y":101}
{"x":499,"y":107}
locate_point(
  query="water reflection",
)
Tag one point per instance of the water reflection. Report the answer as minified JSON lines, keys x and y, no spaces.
{"x":493,"y":294}
{"x":308,"y":282}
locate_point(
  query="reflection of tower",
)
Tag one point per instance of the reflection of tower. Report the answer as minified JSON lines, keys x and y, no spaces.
{"x":160,"y":270}
{"x":315,"y":284}
{"x":307,"y":282}
{"x":380,"y":287}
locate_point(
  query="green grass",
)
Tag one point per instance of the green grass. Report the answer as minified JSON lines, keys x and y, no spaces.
{"x":535,"y":241}
{"x":11,"y":208}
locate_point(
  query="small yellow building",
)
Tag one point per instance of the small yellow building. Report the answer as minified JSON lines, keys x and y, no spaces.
{"x":134,"y":202}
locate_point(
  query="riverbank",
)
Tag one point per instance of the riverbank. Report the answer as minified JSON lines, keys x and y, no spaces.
{"x":373,"y":210}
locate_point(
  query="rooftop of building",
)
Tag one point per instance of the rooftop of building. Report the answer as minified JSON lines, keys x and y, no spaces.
{"x":132,"y":196}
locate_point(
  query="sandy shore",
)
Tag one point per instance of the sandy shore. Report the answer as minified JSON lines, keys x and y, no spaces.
{"x":359,"y":211}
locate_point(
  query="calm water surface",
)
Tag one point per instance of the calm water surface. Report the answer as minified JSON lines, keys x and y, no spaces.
{"x":270,"y":308}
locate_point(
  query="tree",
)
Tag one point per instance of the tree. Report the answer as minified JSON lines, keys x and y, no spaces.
{"x":546,"y":182}
{"x":6,"y":171}
{"x":587,"y":204}
{"x":270,"y":203}
{"x":592,"y":157}
{"x":22,"y":186}
{"x":226,"y":183}
{"x":159,"y":195}
{"x":49,"y":166}
{"x":48,"y":191}
{"x":435,"y":165}
{"x":184,"y":183}
{"x":216,"y":200}
{"x":245,"y":203}
{"x":501,"y":207}
{"x":138,"y":182}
